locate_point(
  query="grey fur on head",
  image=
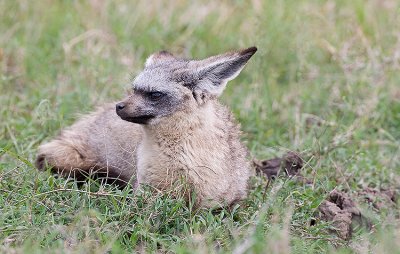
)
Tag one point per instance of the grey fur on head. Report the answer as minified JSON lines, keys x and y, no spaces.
{"x":209,"y":75}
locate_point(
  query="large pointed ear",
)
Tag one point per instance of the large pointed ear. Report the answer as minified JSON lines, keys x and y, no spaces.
{"x":158,"y":58}
{"x":212,"y":74}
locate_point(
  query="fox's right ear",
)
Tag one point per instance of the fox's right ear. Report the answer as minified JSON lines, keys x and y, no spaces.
{"x":158,"y":58}
{"x":210,"y":76}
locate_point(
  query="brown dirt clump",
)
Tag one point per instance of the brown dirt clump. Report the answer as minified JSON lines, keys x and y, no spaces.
{"x":291,"y":164}
{"x":379,"y":199}
{"x":338,"y":208}
{"x":341,"y":210}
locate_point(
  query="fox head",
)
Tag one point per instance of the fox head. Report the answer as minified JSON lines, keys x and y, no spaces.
{"x":169,"y":85}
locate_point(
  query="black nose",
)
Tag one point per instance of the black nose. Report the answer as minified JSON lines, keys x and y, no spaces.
{"x":120,"y":106}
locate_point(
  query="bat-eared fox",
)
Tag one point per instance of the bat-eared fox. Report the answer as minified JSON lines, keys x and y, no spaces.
{"x":170,"y":126}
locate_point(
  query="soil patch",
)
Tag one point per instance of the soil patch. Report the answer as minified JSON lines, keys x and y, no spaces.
{"x":290,"y":164}
{"x":341,"y":210}
{"x":379,"y":199}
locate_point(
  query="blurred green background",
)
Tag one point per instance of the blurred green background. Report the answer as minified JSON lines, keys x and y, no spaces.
{"x":325,"y":82}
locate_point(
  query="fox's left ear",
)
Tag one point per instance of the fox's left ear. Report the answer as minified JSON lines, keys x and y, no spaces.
{"x":212,"y":74}
{"x":158,"y":58}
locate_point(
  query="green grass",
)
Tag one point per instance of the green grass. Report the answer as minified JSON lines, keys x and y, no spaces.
{"x":334,"y":61}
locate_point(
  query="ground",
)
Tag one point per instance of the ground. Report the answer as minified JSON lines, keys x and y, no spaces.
{"x":325,"y":83}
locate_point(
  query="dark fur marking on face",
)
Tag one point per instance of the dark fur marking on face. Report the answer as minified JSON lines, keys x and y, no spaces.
{"x":144,"y":119}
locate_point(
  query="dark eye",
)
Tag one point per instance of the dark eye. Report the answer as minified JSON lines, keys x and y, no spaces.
{"x":155,"y":95}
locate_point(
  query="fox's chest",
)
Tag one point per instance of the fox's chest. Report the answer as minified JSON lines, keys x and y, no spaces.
{"x":156,"y":164}
{"x":163,"y":164}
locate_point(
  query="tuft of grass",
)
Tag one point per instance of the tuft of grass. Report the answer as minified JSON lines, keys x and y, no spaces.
{"x":325,"y":82}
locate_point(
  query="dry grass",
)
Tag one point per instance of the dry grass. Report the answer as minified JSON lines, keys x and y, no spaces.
{"x":325,"y":82}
